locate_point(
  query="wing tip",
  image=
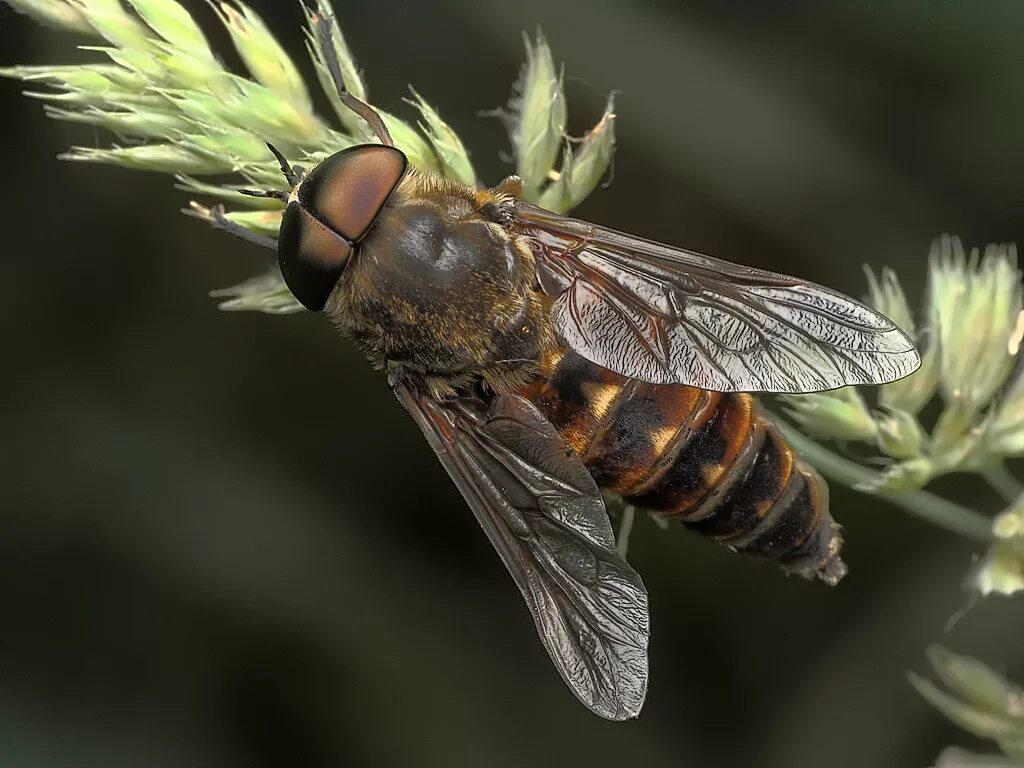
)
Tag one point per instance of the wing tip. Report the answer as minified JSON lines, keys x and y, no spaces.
{"x":901,"y":365}
{"x":898,"y":365}
{"x":901,"y":360}
{"x":624,"y":715}
{"x":619,"y":711}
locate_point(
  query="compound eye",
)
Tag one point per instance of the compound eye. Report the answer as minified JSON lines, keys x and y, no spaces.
{"x":348,"y":189}
{"x":311,"y":257}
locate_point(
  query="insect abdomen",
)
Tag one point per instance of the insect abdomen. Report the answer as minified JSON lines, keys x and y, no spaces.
{"x":704,"y":458}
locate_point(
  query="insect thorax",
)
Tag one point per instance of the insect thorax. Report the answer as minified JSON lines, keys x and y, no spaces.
{"x":439,"y":288}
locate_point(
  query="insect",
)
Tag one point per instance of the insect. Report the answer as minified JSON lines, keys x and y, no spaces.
{"x":547,"y":359}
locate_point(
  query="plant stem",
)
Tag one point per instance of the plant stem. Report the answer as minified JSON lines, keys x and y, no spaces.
{"x":922,"y":504}
{"x":1003,"y":481}
{"x":625,"y":528}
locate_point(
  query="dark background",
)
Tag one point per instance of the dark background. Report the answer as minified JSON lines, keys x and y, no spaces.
{"x":224,"y":544}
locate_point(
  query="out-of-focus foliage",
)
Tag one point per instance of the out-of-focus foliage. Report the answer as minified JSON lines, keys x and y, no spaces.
{"x":538,"y":116}
{"x":970,"y":342}
{"x":954,"y":757}
{"x":971,"y":347}
{"x":979,"y":700}
{"x":1002,"y":569}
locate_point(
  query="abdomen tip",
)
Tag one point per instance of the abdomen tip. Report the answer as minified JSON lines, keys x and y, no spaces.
{"x":832,"y":570}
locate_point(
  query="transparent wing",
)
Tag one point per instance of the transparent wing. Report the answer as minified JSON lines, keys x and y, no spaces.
{"x":543,"y":513}
{"x":670,"y":316}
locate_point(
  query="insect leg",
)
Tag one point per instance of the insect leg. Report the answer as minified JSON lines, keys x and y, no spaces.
{"x":325,"y":37}
{"x":511,"y":185}
{"x":277,"y":194}
{"x":216,"y":217}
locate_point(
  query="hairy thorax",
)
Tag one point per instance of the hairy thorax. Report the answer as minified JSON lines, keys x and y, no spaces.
{"x":440,"y":287}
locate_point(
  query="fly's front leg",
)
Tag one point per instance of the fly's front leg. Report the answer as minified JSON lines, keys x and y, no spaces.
{"x":323,"y":31}
{"x":511,"y":186}
{"x":497,"y":204}
{"x":217,"y":217}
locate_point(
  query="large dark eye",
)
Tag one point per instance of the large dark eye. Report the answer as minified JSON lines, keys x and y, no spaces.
{"x":348,"y":189}
{"x":311,"y":256}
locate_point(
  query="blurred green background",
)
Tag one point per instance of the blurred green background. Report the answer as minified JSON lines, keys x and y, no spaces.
{"x":223,"y":542}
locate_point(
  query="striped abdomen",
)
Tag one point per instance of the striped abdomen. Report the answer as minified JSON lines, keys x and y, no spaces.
{"x":704,"y":458}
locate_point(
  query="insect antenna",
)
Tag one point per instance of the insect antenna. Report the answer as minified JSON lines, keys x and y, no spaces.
{"x":325,"y":37}
{"x":292,"y":173}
